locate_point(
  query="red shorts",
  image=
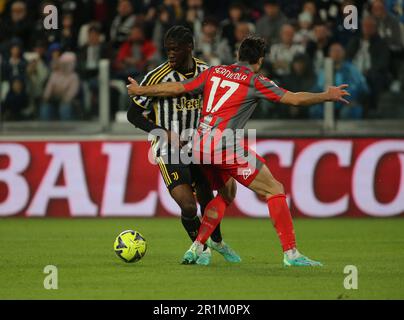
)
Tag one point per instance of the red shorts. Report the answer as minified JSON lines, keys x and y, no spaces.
{"x":243,"y":170}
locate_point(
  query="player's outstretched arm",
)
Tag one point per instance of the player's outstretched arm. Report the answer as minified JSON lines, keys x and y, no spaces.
{"x":335,"y":94}
{"x":166,"y":89}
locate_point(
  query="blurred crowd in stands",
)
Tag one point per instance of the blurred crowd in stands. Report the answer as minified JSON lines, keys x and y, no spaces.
{"x":53,"y":74}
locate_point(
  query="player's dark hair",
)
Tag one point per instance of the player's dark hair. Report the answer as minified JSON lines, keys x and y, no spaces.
{"x":180,"y":35}
{"x":251,"y":50}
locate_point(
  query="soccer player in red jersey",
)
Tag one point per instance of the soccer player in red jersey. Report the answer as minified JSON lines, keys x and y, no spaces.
{"x":230,"y":96}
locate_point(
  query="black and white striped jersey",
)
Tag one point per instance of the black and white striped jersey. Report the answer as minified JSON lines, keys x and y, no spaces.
{"x":172,"y":113}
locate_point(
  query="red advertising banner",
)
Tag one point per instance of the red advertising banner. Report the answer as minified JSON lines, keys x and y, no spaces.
{"x":322,"y":178}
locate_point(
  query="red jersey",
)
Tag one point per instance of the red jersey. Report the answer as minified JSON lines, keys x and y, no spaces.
{"x":230,"y":95}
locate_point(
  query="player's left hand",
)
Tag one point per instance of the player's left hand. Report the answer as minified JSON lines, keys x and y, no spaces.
{"x":132,"y":87}
{"x":337,"y":94}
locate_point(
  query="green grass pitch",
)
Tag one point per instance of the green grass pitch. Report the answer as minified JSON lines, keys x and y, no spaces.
{"x":89,"y":269}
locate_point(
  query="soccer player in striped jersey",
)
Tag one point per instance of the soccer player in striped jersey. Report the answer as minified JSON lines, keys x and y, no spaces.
{"x":179,"y":116}
{"x":231,"y":93}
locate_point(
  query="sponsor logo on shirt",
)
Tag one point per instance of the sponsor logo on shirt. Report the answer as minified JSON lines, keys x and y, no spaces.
{"x":188,"y":104}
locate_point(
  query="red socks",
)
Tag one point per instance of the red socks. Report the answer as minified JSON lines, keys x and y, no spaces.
{"x":214,"y":213}
{"x":282,"y":221}
{"x":277,"y":206}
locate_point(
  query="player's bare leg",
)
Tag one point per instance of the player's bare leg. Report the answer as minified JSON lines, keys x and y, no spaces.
{"x":272,"y":190}
{"x":265,"y":185}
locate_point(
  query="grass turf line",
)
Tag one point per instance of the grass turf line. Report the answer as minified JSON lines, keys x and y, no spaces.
{"x":89,"y":269}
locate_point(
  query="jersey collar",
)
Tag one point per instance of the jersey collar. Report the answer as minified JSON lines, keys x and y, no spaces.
{"x":194,"y":71}
{"x":244,"y":64}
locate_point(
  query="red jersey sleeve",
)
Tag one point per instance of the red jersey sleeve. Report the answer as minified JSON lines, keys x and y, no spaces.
{"x":196,"y":85}
{"x":267,"y":89}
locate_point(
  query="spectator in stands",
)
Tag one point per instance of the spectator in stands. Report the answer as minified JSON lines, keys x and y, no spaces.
{"x":91,"y":53}
{"x":53,"y":54}
{"x":16,"y":100}
{"x":195,"y":16}
{"x":320,"y":23}
{"x":89,"y":58}
{"x":310,"y":7}
{"x":370,"y":54}
{"x":40,"y":48}
{"x":344,"y":72}
{"x":84,"y":33}
{"x":396,"y":8}
{"x":388,"y":26}
{"x":319,"y":47}
{"x":14,"y":65}
{"x":305,"y":33}
{"x":228,"y":26}
{"x":301,"y":78}
{"x":243,"y":30}
{"x":389,"y":29}
{"x":37,"y":74}
{"x":176,"y":6}
{"x":165,"y":20}
{"x":68,"y":33}
{"x":269,"y":26}
{"x":210,"y":47}
{"x":134,"y":55}
{"x":122,"y":23}
{"x":18,"y":24}
{"x":282,"y":54}
{"x":61,"y":90}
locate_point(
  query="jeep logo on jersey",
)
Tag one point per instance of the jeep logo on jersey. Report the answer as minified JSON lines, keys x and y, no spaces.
{"x":188,"y":104}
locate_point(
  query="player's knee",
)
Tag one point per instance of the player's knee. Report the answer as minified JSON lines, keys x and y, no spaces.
{"x":232,"y":193}
{"x":272,"y":189}
{"x":278,"y":188}
{"x":188,"y":209}
{"x":228,"y":197}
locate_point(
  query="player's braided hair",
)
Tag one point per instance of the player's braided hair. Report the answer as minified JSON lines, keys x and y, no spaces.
{"x":180,"y":35}
{"x":251,"y":49}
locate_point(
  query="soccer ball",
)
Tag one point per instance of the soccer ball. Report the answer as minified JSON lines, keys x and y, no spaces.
{"x":130,"y":246}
